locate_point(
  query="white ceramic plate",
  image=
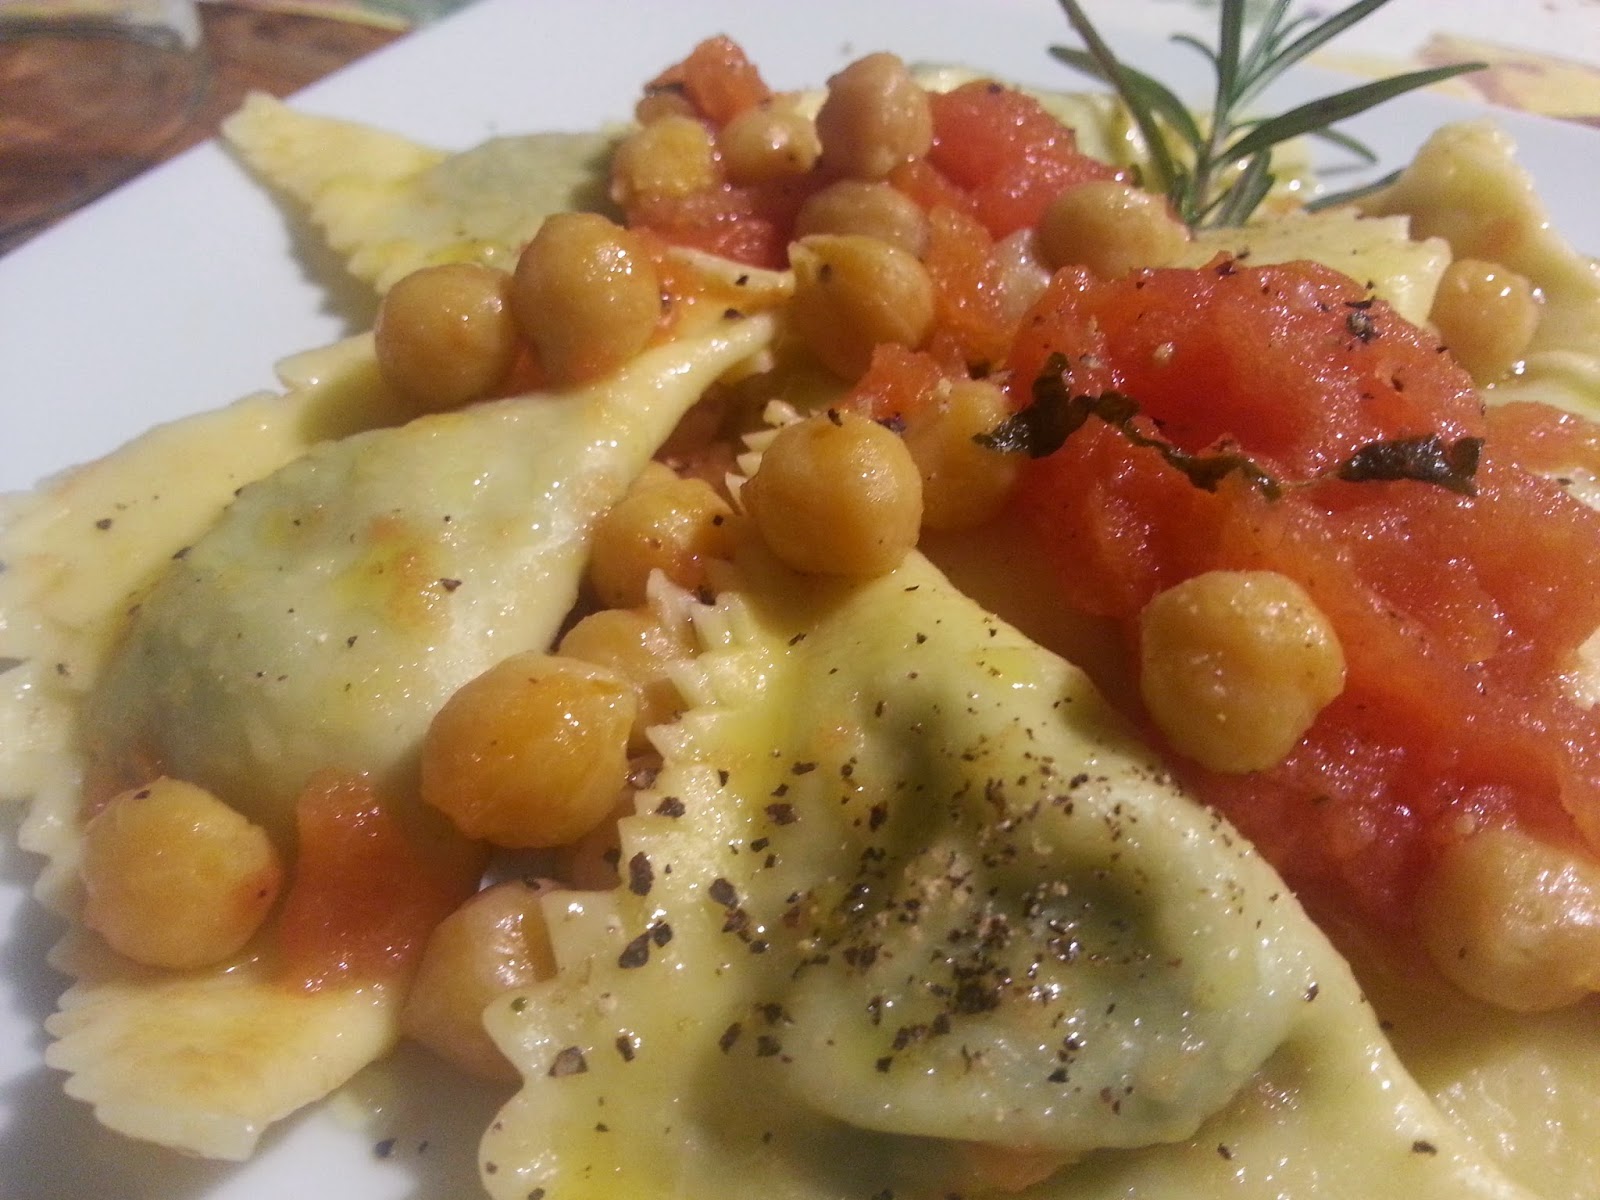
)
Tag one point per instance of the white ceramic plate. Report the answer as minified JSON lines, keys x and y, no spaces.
{"x":178,"y":293}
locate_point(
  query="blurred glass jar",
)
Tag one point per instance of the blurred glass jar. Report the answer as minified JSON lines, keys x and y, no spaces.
{"x":91,"y":93}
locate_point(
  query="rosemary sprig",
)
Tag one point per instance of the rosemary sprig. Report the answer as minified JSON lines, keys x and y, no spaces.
{"x":1216,"y":173}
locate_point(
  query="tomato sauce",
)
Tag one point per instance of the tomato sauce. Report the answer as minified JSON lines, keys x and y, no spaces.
{"x":1460,"y":599}
{"x":750,"y":224}
{"x":367,"y":889}
{"x":1459,"y":614}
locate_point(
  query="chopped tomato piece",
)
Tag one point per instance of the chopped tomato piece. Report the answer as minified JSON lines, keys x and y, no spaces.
{"x":972,"y":328}
{"x":1547,"y":439}
{"x":930,"y":188}
{"x":899,"y":383}
{"x":717,"y":78}
{"x":747,"y":224}
{"x":368,"y":887}
{"x":1010,"y":155}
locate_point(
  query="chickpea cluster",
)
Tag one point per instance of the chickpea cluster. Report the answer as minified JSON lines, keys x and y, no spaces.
{"x":542,"y":752}
{"x":584,"y":299}
{"x":834,"y":495}
{"x":586,"y":296}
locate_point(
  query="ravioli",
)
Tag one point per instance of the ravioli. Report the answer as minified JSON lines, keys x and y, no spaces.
{"x":206,"y":1061}
{"x":82,"y":550}
{"x":336,"y":605}
{"x":390,"y":205}
{"x":1466,"y":187}
{"x":444,"y":544}
{"x":1378,"y":251}
{"x":1526,"y":1091}
{"x":906,"y":897}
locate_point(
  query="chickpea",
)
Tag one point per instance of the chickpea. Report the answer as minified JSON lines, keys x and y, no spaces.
{"x":837,"y":495}
{"x":982,"y":1167}
{"x":964,"y":483}
{"x":1514,"y":921}
{"x":770,"y":141}
{"x":497,"y":942}
{"x":1487,"y":315}
{"x":586,"y":294}
{"x":662,"y":102}
{"x":670,"y":158}
{"x":591,"y":863}
{"x":853,"y":292}
{"x":874,"y":118}
{"x":668,"y":524}
{"x":1110,"y":228}
{"x":632,"y":644}
{"x":532,"y":753}
{"x":445,"y":336}
{"x":1236,"y":665}
{"x":175,"y":878}
{"x":873,"y":210}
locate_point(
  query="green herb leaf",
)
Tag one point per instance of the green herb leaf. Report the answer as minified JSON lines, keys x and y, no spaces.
{"x":1344,"y":141}
{"x":1321,"y":35}
{"x":1266,"y":41}
{"x":1334,"y":199}
{"x":1230,"y":41}
{"x":1240,"y":200}
{"x":1196,"y":44}
{"x":1124,"y":81}
{"x":1317,"y":114}
{"x":1150,"y":92}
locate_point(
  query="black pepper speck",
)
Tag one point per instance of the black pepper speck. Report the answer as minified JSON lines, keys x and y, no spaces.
{"x":569,"y":1062}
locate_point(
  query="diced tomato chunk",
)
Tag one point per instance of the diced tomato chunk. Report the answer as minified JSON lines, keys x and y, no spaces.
{"x":1010,"y":155}
{"x":899,"y":383}
{"x":970,"y":328}
{"x":1542,"y":438}
{"x":367,"y":888}
{"x":929,"y":187}
{"x":717,"y":78}
{"x":747,"y":224}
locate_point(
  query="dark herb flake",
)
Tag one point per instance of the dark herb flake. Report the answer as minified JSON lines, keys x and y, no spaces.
{"x":1425,"y":459}
{"x":569,"y":1062}
{"x":636,"y":953}
{"x":640,"y":874}
{"x":1056,"y":413}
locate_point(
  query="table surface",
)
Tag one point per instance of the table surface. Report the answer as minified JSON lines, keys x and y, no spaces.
{"x":1544,"y":56}
{"x":246,"y":47}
